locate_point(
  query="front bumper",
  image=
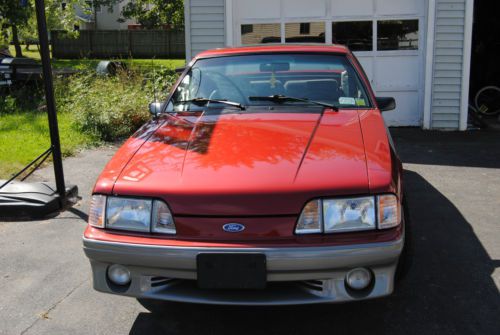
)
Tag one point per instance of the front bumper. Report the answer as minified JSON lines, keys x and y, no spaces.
{"x":298,"y":275}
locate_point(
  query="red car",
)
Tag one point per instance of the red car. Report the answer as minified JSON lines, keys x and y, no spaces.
{"x":267,"y":177}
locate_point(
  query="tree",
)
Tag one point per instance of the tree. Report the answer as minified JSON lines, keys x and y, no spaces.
{"x":13,"y":14}
{"x":18,"y":19}
{"x":60,"y":14}
{"x":155,"y":13}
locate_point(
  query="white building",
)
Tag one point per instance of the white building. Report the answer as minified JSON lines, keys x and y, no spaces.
{"x":417,"y":51}
{"x":104,"y":18}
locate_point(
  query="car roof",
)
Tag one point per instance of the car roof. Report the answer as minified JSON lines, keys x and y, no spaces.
{"x":256,"y":49}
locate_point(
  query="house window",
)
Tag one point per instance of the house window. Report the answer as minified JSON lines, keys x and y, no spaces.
{"x":260,"y":33}
{"x":305,"y":32}
{"x":397,"y":35}
{"x":305,"y":28}
{"x":357,"y":35}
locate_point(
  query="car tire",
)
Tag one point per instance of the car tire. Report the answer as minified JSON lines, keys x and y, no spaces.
{"x":156,"y":306}
{"x":405,"y":260}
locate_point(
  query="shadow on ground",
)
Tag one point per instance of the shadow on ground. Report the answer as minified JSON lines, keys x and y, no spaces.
{"x":448,"y":290}
{"x":470,"y":148}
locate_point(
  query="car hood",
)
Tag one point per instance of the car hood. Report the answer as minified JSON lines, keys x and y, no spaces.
{"x":243,"y":164}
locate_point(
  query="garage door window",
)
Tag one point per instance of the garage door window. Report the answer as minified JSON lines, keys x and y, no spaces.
{"x":357,"y":35}
{"x":397,"y":35}
{"x":305,"y":32}
{"x":260,"y":33}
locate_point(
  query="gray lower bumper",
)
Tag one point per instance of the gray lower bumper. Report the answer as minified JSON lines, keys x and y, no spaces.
{"x":295,"y":275}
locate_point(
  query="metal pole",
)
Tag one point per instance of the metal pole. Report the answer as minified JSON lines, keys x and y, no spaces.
{"x":49,"y":97}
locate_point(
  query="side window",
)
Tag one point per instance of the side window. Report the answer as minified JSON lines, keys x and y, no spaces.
{"x":397,"y":35}
{"x":357,"y":35}
{"x":260,"y":33}
{"x":188,"y":87}
{"x":305,"y":32}
{"x":187,"y":90}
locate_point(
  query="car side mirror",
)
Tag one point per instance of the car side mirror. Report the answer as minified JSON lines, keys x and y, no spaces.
{"x":386,"y":103}
{"x":155,"y":108}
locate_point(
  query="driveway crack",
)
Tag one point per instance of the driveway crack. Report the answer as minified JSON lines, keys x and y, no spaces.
{"x":45,"y":314}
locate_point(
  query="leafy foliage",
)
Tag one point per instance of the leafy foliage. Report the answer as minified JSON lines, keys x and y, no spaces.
{"x":90,"y":109}
{"x":60,"y":15}
{"x":111,"y":108}
{"x":13,"y":15}
{"x":155,"y":13}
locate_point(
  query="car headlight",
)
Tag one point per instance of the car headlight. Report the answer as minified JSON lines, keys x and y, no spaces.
{"x":129,"y":214}
{"x":341,"y":215}
{"x":132,"y":214}
{"x":349,"y":214}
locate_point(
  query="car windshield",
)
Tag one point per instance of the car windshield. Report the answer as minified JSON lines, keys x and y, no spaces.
{"x":250,"y":80}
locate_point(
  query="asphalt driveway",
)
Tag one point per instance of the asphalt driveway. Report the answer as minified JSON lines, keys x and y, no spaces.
{"x":453,"y":186}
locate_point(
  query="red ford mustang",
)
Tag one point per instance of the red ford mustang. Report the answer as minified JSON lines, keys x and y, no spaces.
{"x":267,"y":177}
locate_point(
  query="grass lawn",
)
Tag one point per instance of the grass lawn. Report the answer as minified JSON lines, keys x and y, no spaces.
{"x":24,"y":136}
{"x":82,"y":64}
{"x":32,"y":53}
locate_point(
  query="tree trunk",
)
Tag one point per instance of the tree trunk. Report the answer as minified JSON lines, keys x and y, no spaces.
{"x":15,"y":39}
{"x":95,"y":16}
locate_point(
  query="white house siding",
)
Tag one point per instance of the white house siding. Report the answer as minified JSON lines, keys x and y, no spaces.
{"x":204,"y":25}
{"x":216,"y":23}
{"x":448,"y":68}
{"x":108,"y":19}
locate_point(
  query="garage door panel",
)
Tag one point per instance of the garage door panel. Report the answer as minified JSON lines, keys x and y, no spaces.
{"x":394,"y":67}
{"x":310,"y":8}
{"x":397,"y":73}
{"x":400,"y":7}
{"x":407,"y":112}
{"x":352,"y":7}
{"x":259,"y":9}
{"x":367,"y":64}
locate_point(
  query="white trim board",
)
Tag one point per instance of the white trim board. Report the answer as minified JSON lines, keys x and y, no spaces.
{"x":187,"y":29}
{"x":429,"y":63}
{"x":228,"y":24}
{"x":464,"y":106}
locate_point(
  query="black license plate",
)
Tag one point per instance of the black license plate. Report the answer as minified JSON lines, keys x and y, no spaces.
{"x":231,"y":271}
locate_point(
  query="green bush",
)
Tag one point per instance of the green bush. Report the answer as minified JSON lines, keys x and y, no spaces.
{"x":20,"y":97}
{"x":110,"y":108}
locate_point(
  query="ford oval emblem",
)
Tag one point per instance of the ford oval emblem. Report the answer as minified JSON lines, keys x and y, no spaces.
{"x":233,"y":227}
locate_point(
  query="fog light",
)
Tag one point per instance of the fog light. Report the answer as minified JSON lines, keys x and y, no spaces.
{"x":118,"y":274}
{"x":359,"y":278}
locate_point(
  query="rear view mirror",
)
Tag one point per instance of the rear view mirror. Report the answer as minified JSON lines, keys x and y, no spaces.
{"x":274,"y":67}
{"x":386,"y":103}
{"x":155,"y":108}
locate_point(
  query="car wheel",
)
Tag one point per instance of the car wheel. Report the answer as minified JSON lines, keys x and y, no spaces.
{"x":156,"y":306}
{"x":406,"y":257}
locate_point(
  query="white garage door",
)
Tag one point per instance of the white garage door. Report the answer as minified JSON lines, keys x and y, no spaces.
{"x":387,"y":36}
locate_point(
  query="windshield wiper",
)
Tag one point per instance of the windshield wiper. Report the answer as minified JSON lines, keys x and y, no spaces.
{"x":204,"y":101}
{"x":278,"y":98}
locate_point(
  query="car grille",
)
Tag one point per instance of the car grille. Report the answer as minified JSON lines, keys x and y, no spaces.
{"x":313,"y":285}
